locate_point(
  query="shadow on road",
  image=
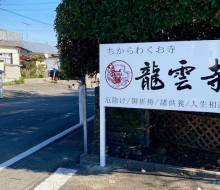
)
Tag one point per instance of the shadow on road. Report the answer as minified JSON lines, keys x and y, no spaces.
{"x":27,"y":119}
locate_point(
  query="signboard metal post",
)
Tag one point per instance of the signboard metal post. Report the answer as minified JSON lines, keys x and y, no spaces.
{"x":102,"y":136}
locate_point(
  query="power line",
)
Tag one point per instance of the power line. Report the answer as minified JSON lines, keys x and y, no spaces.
{"x":31,"y":3}
{"x":26,"y":17}
{"x":22,"y":30}
{"x":34,"y":9}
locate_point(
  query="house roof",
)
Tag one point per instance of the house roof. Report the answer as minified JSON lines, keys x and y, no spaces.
{"x":10,"y":43}
{"x":39,"y":47}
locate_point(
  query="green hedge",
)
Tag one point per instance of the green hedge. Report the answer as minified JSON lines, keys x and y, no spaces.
{"x":81,"y":25}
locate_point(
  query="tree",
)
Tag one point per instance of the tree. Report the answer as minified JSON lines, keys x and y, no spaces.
{"x":37,"y":57}
{"x":82,"y":24}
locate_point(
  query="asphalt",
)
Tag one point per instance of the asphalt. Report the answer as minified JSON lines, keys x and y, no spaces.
{"x":28,"y":173}
{"x":108,"y":178}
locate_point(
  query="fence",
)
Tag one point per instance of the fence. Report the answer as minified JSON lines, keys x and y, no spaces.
{"x":189,"y":130}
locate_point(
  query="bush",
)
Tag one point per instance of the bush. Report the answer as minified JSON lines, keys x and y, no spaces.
{"x":82,"y":25}
{"x":28,"y":69}
{"x":40,"y":71}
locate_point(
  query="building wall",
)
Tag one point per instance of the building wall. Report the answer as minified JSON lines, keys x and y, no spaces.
{"x":10,"y":36}
{"x":15,"y":54}
{"x":41,"y":63}
{"x":52,"y":62}
{"x":11,"y":71}
{"x":2,"y":66}
{"x":24,"y":52}
{"x":92,"y":82}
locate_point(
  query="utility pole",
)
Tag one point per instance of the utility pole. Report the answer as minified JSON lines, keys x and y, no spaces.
{"x":27,"y":25}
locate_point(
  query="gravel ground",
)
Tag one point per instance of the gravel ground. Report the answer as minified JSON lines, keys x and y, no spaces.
{"x":24,"y":90}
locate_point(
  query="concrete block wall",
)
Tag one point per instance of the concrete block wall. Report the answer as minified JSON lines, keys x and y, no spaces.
{"x":12,"y":72}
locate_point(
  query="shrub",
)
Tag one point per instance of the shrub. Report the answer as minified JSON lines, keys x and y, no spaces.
{"x":40,"y":71}
{"x":82,"y":25}
{"x":28,"y":70}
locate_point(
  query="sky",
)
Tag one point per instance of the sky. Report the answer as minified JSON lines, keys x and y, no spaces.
{"x":32,"y":18}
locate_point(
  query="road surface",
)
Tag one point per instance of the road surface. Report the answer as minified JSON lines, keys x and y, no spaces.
{"x":31,"y":114}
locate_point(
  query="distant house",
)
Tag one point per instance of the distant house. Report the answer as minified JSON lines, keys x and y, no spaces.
{"x":50,"y":53}
{"x":10,"y":44}
{"x":14,"y":52}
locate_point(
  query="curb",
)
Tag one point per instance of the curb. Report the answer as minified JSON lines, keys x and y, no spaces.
{"x":37,"y":80}
{"x":151,"y":167}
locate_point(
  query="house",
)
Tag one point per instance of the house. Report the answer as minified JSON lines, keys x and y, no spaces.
{"x":50,"y":53}
{"x":14,"y":52}
{"x":10,"y":44}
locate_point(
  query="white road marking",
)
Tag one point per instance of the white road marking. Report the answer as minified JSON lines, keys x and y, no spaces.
{"x":57,"y":179}
{"x":41,"y":145}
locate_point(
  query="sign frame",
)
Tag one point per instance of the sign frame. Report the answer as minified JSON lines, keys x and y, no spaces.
{"x":188,"y":54}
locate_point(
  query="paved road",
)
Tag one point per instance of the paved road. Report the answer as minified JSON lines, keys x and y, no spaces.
{"x":33,"y":171}
{"x":27,"y":120}
{"x":29,"y":172}
{"x":30,"y":114}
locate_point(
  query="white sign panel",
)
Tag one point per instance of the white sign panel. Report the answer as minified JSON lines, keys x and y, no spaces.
{"x":161,"y":75}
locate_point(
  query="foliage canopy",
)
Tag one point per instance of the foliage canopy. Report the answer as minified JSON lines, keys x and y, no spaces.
{"x":81,"y":25}
{"x":37,"y":57}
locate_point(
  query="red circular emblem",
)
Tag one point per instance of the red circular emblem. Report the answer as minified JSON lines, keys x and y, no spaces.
{"x":118,"y":74}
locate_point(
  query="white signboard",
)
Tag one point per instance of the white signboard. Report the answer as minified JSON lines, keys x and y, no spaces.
{"x":163,"y":75}
{"x":182,"y":76}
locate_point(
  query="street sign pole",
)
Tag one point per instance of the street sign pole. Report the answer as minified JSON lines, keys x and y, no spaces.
{"x":85,"y":120}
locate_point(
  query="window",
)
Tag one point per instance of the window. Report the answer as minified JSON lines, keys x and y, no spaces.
{"x":6,"y":58}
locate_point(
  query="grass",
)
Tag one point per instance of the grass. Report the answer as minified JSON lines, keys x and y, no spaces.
{"x":19,"y":81}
